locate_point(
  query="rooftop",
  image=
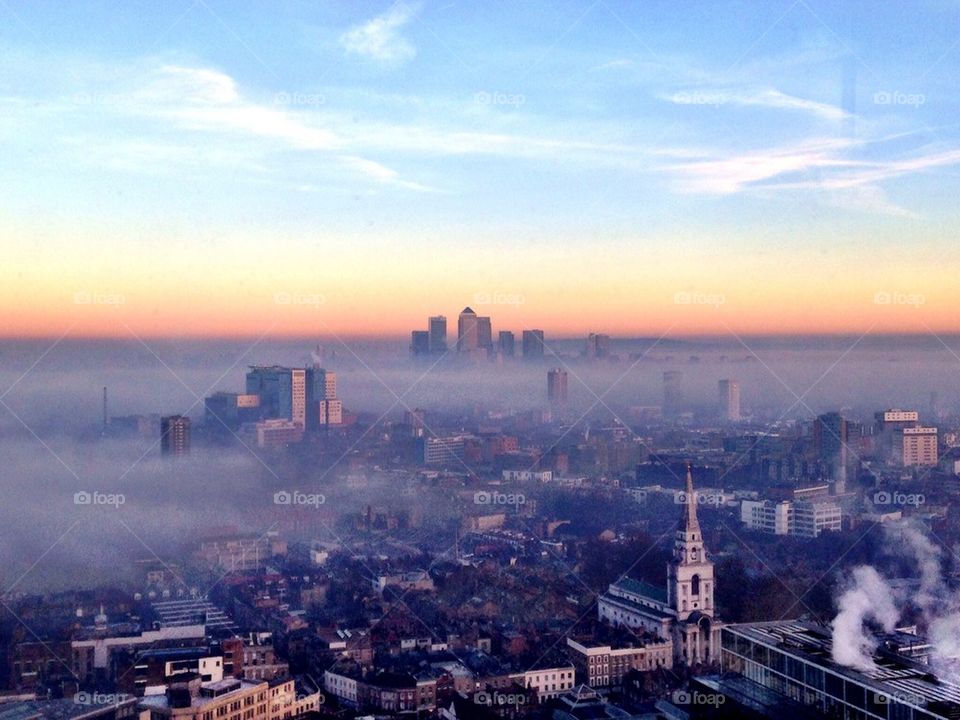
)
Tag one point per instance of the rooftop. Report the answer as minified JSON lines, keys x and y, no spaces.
{"x":900,"y":668}
{"x":643,"y":588}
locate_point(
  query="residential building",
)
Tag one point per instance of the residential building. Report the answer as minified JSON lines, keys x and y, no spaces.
{"x":604,"y":665}
{"x":175,"y":435}
{"x":916,"y":446}
{"x":729,"y":391}
{"x":557,"y":386}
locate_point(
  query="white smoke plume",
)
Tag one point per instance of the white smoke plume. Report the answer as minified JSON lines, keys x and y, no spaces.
{"x":870,"y":598}
{"x":933,"y":593}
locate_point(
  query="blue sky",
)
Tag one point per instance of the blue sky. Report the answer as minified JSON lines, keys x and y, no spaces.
{"x":570,"y":126}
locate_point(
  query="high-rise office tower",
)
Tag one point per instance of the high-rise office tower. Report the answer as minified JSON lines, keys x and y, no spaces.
{"x":420,"y":343}
{"x":484,"y":333}
{"x":830,"y":436}
{"x":597,"y":346}
{"x":506,"y":343}
{"x":323,"y":408}
{"x":321,"y":384}
{"x":557,"y":386}
{"x":532,"y":344}
{"x":468,"y":336}
{"x":437,"y":327}
{"x":672,"y":392}
{"x":729,"y":391}
{"x":175,"y":435}
{"x":282,"y":391}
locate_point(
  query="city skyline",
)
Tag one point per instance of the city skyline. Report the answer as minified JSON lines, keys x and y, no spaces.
{"x":781,"y":172}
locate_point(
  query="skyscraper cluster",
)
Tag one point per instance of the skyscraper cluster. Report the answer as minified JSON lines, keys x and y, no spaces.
{"x":280,"y":404}
{"x":475,"y":339}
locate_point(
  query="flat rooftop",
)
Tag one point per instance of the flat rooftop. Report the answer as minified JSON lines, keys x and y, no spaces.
{"x":901,"y":670}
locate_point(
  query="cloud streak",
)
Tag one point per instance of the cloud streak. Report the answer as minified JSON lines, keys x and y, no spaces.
{"x":379,"y":39}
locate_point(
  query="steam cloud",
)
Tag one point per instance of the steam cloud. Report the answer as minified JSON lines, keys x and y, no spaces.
{"x":870,"y":598}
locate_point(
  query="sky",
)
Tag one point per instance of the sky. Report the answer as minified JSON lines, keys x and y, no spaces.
{"x":205,"y":168}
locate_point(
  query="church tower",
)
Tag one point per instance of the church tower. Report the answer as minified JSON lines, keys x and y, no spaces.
{"x":689,"y":573}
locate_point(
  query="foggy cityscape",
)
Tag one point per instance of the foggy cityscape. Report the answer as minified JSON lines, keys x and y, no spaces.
{"x":548,"y":361}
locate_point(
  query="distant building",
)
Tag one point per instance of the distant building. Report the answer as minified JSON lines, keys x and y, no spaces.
{"x":420,"y":343}
{"x":506,"y":343}
{"x":533,"y":348}
{"x":282,"y":391}
{"x":227,"y":411}
{"x":766,"y":516}
{"x":437,"y":327}
{"x":557,"y":386}
{"x":895,"y":419}
{"x":323,"y":408}
{"x":527,"y":475}
{"x":672,"y":392}
{"x":813,"y":517}
{"x":485,"y":333}
{"x":887,"y":424}
{"x":917,"y":446}
{"x":175,"y":435}
{"x":443,"y":450}
{"x":729,"y":391}
{"x":275,"y":433}
{"x":831,"y":436}
{"x":468,"y":334}
{"x":329,"y":413}
{"x":802,"y":518}
{"x":239,"y":551}
{"x":321,"y":384}
{"x":597,"y":347}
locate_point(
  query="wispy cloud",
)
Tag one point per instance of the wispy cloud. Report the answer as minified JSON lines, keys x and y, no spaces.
{"x":380,"y":38}
{"x":726,"y":174}
{"x":760,"y":98}
{"x":206,"y":99}
{"x":826,"y":166}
